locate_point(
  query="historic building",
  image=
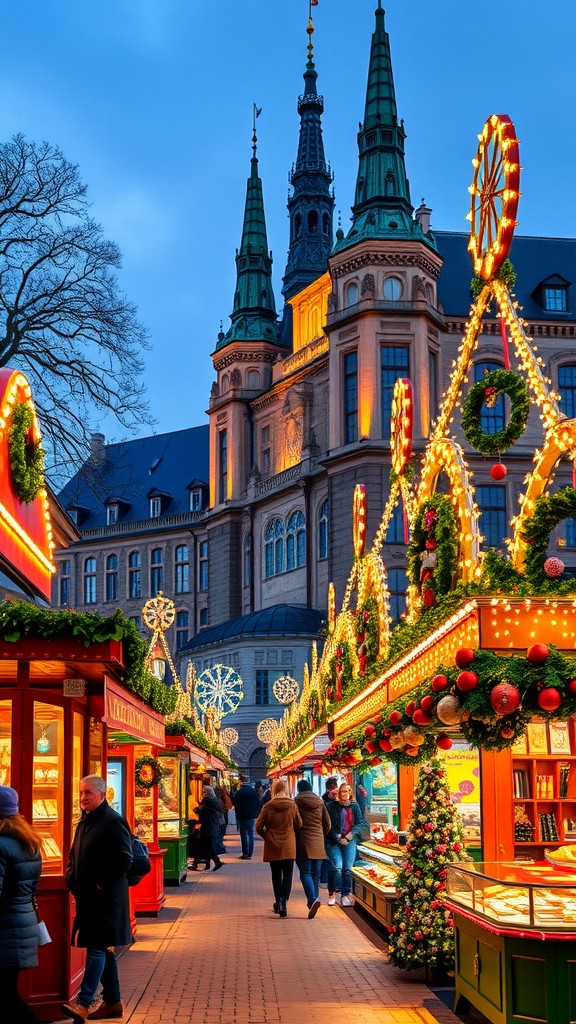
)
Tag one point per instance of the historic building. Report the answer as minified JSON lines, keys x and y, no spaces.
{"x":253,"y":516}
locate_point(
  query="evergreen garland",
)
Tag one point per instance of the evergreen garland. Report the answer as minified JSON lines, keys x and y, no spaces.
{"x":505,"y":273}
{"x":549,"y":510}
{"x":26,"y":456}
{"x":422,"y":930}
{"x":148,"y":772}
{"x":446,"y":537}
{"x":496,"y":383}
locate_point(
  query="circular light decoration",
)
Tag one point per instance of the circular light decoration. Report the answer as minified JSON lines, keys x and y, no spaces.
{"x":229,"y":736}
{"x":267,"y":730}
{"x":494,"y":192}
{"x":285,"y":689}
{"x":401,"y":425}
{"x":159,"y":612}
{"x":219,"y":688}
{"x":359,"y":519}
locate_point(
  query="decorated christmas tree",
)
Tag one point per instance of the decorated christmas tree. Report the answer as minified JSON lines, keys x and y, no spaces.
{"x":422,"y":931}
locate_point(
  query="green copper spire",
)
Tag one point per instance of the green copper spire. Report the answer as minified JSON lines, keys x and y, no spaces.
{"x":382,"y":207}
{"x":254,"y":314}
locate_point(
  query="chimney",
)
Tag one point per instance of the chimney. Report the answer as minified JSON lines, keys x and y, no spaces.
{"x":97,"y":449}
{"x":423,"y":214}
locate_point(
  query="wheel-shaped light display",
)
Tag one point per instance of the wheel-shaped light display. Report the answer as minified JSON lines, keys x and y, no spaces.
{"x":401,"y":425}
{"x":494,"y":192}
{"x":219,"y":688}
{"x":159,"y":612}
{"x":285,"y":689}
{"x":229,"y":736}
{"x":267,"y":730}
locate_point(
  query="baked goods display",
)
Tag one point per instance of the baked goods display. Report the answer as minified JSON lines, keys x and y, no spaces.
{"x":537,"y":903}
{"x":381,"y":835}
{"x":382,"y":875}
{"x":169,"y":829}
{"x":564,"y":857}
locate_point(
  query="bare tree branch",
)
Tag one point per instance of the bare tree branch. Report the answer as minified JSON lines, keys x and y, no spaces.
{"x":63,"y":319}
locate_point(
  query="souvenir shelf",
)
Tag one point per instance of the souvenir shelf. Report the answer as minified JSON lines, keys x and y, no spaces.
{"x":374,"y":877}
{"x":173,"y":815}
{"x":544,"y":788}
{"x":515,"y":940}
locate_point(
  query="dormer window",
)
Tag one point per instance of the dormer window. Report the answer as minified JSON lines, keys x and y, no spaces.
{"x":555,"y":298}
{"x":111,"y":515}
{"x":196,"y":500}
{"x":155,"y":507}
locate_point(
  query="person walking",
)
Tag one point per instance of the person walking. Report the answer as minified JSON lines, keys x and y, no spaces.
{"x":277,"y":823}
{"x":326,"y":872}
{"x":310,"y":842}
{"x":101,"y":855}
{"x":20,"y":867}
{"x":209,"y":814}
{"x":223,"y":796}
{"x":246,"y":806}
{"x":347,"y":826}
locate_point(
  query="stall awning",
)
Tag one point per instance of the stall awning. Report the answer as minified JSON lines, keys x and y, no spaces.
{"x":126,"y":714}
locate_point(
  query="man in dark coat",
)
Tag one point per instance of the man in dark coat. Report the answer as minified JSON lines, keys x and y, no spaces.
{"x":247,"y":808}
{"x":101,"y":855}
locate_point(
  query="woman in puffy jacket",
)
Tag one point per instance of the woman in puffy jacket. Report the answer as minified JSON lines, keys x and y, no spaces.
{"x":277,"y":824}
{"x":20,"y":866}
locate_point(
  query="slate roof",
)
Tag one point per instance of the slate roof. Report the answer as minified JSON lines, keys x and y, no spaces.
{"x":126,"y":475}
{"x":534,"y":259}
{"x":279,"y":620}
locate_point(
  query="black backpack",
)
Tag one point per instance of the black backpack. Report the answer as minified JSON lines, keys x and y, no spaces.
{"x":141,"y":865}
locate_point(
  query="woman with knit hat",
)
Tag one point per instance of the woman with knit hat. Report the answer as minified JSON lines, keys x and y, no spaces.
{"x":20,"y":867}
{"x":277,"y":824}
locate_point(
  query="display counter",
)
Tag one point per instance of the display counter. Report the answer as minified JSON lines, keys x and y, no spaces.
{"x":173,"y":815}
{"x":374,"y":874}
{"x":515,"y":940}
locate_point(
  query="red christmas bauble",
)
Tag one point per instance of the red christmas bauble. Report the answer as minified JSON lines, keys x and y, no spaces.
{"x":431,"y":545}
{"x":427,"y":703}
{"x":369,"y":731}
{"x":549,"y":699}
{"x":553,"y":567}
{"x":440,"y":683}
{"x":537,"y":653}
{"x":444,"y":741}
{"x":410,"y":708}
{"x":350,"y":743}
{"x":394,"y":718}
{"x":504,"y":698}
{"x":412,"y":751}
{"x":371,"y":746}
{"x":467,"y":681}
{"x":572,"y":686}
{"x":384,"y":744}
{"x":506,"y":733}
{"x":374,"y":761}
{"x":464,"y":657}
{"x":420,"y":718}
{"x":499,"y":471}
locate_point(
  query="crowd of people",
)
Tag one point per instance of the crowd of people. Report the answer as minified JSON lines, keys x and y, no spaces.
{"x":318,"y":834}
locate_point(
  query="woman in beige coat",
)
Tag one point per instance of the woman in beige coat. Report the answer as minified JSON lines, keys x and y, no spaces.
{"x":277,"y":824}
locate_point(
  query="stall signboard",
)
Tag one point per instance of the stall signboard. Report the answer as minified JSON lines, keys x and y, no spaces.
{"x":462,"y":766}
{"x":321,"y":743}
{"x":125,"y":713}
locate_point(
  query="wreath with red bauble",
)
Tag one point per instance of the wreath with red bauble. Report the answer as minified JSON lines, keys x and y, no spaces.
{"x":549,"y":511}
{"x":486,"y":391}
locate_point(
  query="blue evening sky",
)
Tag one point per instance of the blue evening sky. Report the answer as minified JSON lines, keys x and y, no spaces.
{"x":153,"y":99}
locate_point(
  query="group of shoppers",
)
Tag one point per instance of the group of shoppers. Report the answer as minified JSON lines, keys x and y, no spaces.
{"x":308,"y":831}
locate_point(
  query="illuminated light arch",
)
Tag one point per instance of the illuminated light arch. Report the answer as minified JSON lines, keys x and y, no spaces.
{"x":443,"y":453}
{"x":560,"y":440}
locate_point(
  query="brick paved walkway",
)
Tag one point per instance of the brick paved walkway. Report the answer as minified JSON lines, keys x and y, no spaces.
{"x":217,"y":954}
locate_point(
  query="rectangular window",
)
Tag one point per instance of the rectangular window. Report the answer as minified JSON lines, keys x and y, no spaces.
{"x":555,"y":299}
{"x":182,"y":569}
{"x":395,"y":531}
{"x":111,"y":585}
{"x":155,"y":507}
{"x":433,"y":383}
{"x":203,"y":616}
{"x":394,"y":363}
{"x":223,"y":465}
{"x":111,"y":515}
{"x":195,"y":501}
{"x":64,"y":584}
{"x":567,"y":388}
{"x":397,"y":585}
{"x":491,"y":500}
{"x":90,"y":589}
{"x":492,"y":417}
{"x":262,"y":693}
{"x":570,"y":525}
{"x":203,"y":565}
{"x":182,"y":629}
{"x":350,"y":397}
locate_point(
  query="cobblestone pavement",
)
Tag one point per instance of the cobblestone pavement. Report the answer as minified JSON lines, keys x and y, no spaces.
{"x":217,"y":954}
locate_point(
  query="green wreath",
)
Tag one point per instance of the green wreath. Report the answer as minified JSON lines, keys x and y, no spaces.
{"x":502,"y":382}
{"x":446,"y":536}
{"x":549,"y":510}
{"x":148,"y":772}
{"x":26,"y":457}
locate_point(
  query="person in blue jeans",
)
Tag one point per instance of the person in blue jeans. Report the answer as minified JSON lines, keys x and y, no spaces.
{"x":247,"y":808}
{"x":326,"y":872}
{"x":348,"y":825}
{"x":310,"y":848}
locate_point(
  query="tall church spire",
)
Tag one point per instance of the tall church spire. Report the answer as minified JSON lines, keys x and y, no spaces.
{"x":382,"y":206}
{"x":254,"y":313}
{"x":311,"y":202}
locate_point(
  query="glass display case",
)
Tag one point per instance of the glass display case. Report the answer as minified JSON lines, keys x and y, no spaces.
{"x":173,"y":814}
{"x":377,"y":866}
{"x":48,"y":784}
{"x":516,"y":895}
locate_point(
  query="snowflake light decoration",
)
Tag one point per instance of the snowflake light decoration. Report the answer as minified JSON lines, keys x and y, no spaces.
{"x":285,"y":689}
{"x":219,"y":688}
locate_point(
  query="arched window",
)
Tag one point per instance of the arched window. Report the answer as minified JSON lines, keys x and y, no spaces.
{"x":326,"y":225}
{"x":134,"y":574}
{"x":295,"y":541}
{"x":429,"y":294}
{"x":567,"y":389}
{"x":274,"y":548}
{"x":182,"y":569}
{"x":389,"y":184}
{"x":392,"y":289}
{"x":156,"y":571}
{"x":89,"y":581}
{"x":225,"y":383}
{"x":352,"y":294}
{"x":313,"y":222}
{"x":253,"y":379}
{"x":491,"y":418}
{"x":323,"y":529}
{"x":248,"y":560}
{"x":112,"y":578}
